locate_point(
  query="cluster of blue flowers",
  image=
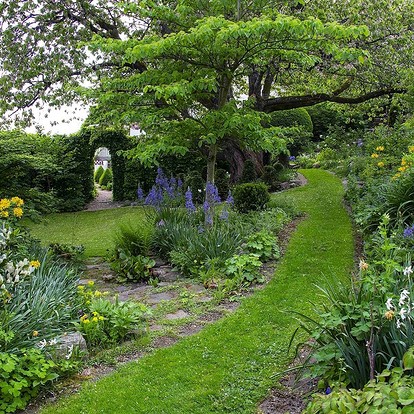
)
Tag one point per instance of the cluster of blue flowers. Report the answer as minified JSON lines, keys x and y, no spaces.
{"x":166,"y":190}
{"x":163,"y":190}
{"x":409,"y":232}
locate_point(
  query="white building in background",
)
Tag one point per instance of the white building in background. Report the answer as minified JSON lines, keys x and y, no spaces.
{"x":102,"y":158}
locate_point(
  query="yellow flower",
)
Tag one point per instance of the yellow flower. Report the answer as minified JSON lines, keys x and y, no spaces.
{"x":380,"y":148}
{"x":380,"y":164}
{"x":101,"y":318}
{"x":91,"y":283}
{"x":18,"y":212}
{"x":4,"y":214}
{"x":411,"y":148}
{"x":398,"y":175}
{"x":402,"y":169}
{"x":4,"y":203}
{"x":35,"y":333}
{"x":94,"y":319}
{"x":389,"y":314}
{"x":81,"y":287}
{"x":86,"y":321}
{"x":363,"y":265}
{"x":18,"y":201}
{"x":35,"y":263}
{"x":374,"y":155}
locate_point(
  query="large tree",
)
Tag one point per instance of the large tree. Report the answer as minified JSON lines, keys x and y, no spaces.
{"x":183,"y":69}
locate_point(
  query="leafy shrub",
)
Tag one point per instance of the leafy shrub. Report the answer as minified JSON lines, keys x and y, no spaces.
{"x":324,"y":117}
{"x":21,"y":377}
{"x":391,"y":392}
{"x":131,"y":268}
{"x":250,"y":197}
{"x":244,"y":268}
{"x":98,"y":174}
{"x":249,"y":173}
{"x":137,"y":240}
{"x":298,"y":119}
{"x":264,"y":244}
{"x":270,"y":177}
{"x":68,"y":253}
{"x":106,"y":177}
{"x":104,"y":321}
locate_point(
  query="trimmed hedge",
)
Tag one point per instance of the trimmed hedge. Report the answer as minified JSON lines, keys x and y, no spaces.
{"x":98,"y":173}
{"x":250,"y":197}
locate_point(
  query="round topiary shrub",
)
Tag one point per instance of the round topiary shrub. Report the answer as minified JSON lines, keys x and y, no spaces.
{"x":106,"y":177}
{"x":250,"y":197}
{"x":98,"y":174}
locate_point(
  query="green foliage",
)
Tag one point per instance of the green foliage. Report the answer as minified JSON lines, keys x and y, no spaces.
{"x":130,"y":267}
{"x":368,"y":328}
{"x":21,"y":377}
{"x":324,"y":117}
{"x":98,"y":173}
{"x":244,"y":268}
{"x":264,"y":244}
{"x":222,"y":181}
{"x":301,"y":124}
{"x":136,"y":239}
{"x":250,"y":197}
{"x":195,"y":182}
{"x":106,"y":322}
{"x":67,"y":253}
{"x":270,"y":177}
{"x":391,"y":391}
{"x":106,"y":177}
{"x":249,"y":174}
{"x":45,"y":303}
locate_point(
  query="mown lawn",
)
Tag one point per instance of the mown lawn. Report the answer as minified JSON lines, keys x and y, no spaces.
{"x":228,"y":366}
{"x":94,"y":229}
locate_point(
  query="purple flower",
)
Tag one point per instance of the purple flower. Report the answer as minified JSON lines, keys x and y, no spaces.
{"x":200,"y":229}
{"x":154,"y":197}
{"x":230,"y":199}
{"x":212,"y":193}
{"x":409,"y":232}
{"x":140,"y":194}
{"x":189,"y":205}
{"x":224,"y":215}
{"x":161,"y":223}
{"x":179,"y":183}
{"x":206,"y":206}
{"x":360,"y":143}
{"x":209,"y":219}
{"x":328,"y":390}
{"x":292,"y":158}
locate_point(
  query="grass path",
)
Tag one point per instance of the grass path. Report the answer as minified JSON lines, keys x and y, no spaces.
{"x":226,"y":368}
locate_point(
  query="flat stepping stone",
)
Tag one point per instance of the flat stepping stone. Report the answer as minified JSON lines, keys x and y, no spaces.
{"x":180,"y":314}
{"x":134,"y":294}
{"x":156,"y":298}
{"x":196,"y":288}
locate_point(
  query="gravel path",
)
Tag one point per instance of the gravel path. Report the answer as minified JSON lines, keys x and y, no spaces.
{"x":103,"y":201}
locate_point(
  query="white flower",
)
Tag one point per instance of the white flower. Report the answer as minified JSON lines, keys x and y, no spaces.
{"x":388,"y":304}
{"x":405,"y":294}
{"x":42,"y":343}
{"x":407,"y":271}
{"x":399,"y":324}
{"x":403,"y":312}
{"x":69,"y":354}
{"x":53,"y":341}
